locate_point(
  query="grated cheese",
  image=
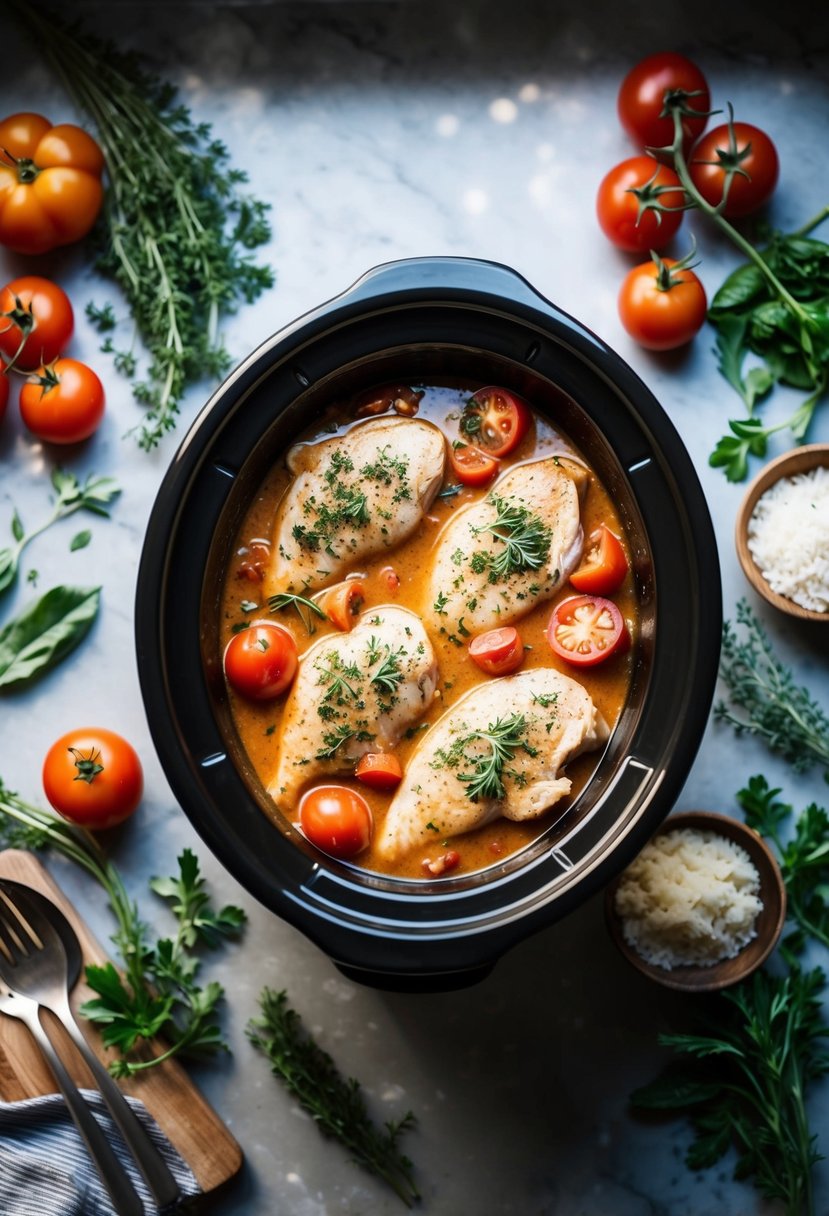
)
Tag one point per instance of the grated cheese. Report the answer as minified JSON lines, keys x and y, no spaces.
{"x":690,"y":898}
{"x":788,"y":537}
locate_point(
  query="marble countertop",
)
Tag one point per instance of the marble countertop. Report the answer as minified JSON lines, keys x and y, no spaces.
{"x":378,"y":131}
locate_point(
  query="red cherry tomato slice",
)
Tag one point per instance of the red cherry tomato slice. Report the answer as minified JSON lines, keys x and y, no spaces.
{"x":336,"y":819}
{"x":605,"y":565}
{"x":496,"y":420}
{"x":379,"y":770}
{"x":342,"y":603}
{"x":497,"y":652}
{"x":471,"y":466}
{"x":261,"y":661}
{"x":587,"y":629}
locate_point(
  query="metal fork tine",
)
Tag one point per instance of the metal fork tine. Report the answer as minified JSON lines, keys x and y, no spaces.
{"x":20,"y":923}
{"x":9,"y":939}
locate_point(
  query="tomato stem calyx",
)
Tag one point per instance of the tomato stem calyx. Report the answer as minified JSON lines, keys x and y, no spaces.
{"x":87,"y":766}
{"x":668,"y":276}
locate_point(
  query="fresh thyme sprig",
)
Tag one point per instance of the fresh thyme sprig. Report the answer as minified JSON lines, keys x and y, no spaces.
{"x":524,"y":536}
{"x":776,"y":709}
{"x":335,"y":1103}
{"x":176,"y":231}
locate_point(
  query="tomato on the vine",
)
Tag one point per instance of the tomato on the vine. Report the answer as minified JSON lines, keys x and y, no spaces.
{"x":618,"y":204}
{"x":604,"y":566}
{"x":62,"y":402}
{"x":743,"y":149}
{"x":93,"y":777}
{"x":662,"y":304}
{"x":498,"y":651}
{"x":50,"y":183}
{"x":471,"y":466}
{"x":641,"y":100}
{"x":587,"y":629}
{"x":260,"y":662}
{"x":336,"y":819}
{"x":36,"y":321}
{"x":495,"y":420}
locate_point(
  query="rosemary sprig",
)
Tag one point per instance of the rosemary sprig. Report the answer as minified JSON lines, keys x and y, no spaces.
{"x":387,"y":676}
{"x":501,"y":739}
{"x":306,"y":609}
{"x":176,"y":229}
{"x":777,"y":710}
{"x":524,"y":536}
{"x":335,"y":1103}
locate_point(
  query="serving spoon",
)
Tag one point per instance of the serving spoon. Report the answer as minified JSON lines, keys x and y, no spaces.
{"x":124,"y":1197}
{"x":40,"y":970}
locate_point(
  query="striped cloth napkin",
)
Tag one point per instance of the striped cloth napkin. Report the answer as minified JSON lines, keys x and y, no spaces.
{"x":45,"y":1169}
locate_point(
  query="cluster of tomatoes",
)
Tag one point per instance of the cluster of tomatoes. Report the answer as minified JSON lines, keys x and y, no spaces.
{"x":50,"y":195}
{"x":732,"y":168}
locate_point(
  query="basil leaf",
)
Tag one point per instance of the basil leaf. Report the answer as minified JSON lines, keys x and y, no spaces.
{"x":45,"y":633}
{"x":740,"y":288}
{"x":80,"y":540}
{"x":17,"y":527}
{"x":8,"y":568}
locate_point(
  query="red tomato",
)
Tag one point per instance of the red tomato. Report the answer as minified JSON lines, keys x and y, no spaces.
{"x":342,"y":603}
{"x":50,"y":183}
{"x":62,"y":403}
{"x":661,"y":317}
{"x":586,"y":630}
{"x":496,"y":420}
{"x":4,"y":393}
{"x":93,"y":777}
{"x":336,"y":819}
{"x":641,"y":99}
{"x":379,"y":770}
{"x":36,"y":321}
{"x":471,"y":466}
{"x":744,"y":148}
{"x":604,"y":566}
{"x":497,"y":652}
{"x":617,"y":207}
{"x":260,"y":662}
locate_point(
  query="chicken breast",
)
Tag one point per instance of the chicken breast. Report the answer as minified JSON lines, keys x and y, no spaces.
{"x":498,"y":751}
{"x":354,"y":693}
{"x":353,"y":495}
{"x":499,"y":557}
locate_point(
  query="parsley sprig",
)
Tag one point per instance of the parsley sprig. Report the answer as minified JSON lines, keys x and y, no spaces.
{"x":336,"y":1104}
{"x":157,"y":991}
{"x":177,"y":230}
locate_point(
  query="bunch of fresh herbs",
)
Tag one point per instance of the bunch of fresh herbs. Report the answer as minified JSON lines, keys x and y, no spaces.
{"x":177,"y":229}
{"x":158,"y":991}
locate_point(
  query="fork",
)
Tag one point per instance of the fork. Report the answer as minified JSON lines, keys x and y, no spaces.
{"x":37,"y":969}
{"x":121,"y":1191}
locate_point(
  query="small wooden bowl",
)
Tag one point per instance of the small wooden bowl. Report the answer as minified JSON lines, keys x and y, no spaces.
{"x":798,"y":460}
{"x":769,"y":924}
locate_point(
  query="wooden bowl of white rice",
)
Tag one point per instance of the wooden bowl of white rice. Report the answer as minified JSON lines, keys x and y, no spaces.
{"x":701,"y":907}
{"x":782,"y":533}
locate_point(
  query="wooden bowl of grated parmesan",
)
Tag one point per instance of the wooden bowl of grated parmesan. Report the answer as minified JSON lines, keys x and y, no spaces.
{"x":782,"y":533}
{"x":701,"y":907}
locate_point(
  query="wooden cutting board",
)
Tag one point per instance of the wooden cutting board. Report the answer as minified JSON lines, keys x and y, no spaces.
{"x":167,"y":1092}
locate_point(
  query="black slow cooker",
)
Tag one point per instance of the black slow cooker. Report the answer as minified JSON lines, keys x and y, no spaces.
{"x":429,"y":320}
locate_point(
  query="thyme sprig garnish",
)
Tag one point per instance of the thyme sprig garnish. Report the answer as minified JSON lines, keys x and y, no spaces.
{"x":524,"y":536}
{"x":336,"y":1104}
{"x":774,"y":708}
{"x":501,"y":740}
{"x":176,"y":232}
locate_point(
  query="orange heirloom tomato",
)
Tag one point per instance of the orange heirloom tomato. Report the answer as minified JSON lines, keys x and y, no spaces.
{"x":50,"y":183}
{"x":93,"y":777}
{"x":62,"y":403}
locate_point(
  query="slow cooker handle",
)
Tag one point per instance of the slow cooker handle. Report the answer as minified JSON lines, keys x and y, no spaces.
{"x":466,"y":279}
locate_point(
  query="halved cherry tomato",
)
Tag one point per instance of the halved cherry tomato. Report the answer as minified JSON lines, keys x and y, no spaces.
{"x":62,"y":403}
{"x":748,"y":151}
{"x":641,"y":101}
{"x":93,"y":777}
{"x":50,"y":183}
{"x":261,"y":661}
{"x":342,"y":603}
{"x":379,"y":770}
{"x":497,"y":652}
{"x":617,"y":204}
{"x":36,"y":321}
{"x":471,"y":466}
{"x":4,"y":392}
{"x":586,"y":630}
{"x":495,"y":419}
{"x":336,"y":819}
{"x":604,"y":567}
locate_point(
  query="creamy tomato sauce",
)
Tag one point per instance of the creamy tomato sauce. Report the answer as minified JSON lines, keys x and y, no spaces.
{"x":397,"y":577}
